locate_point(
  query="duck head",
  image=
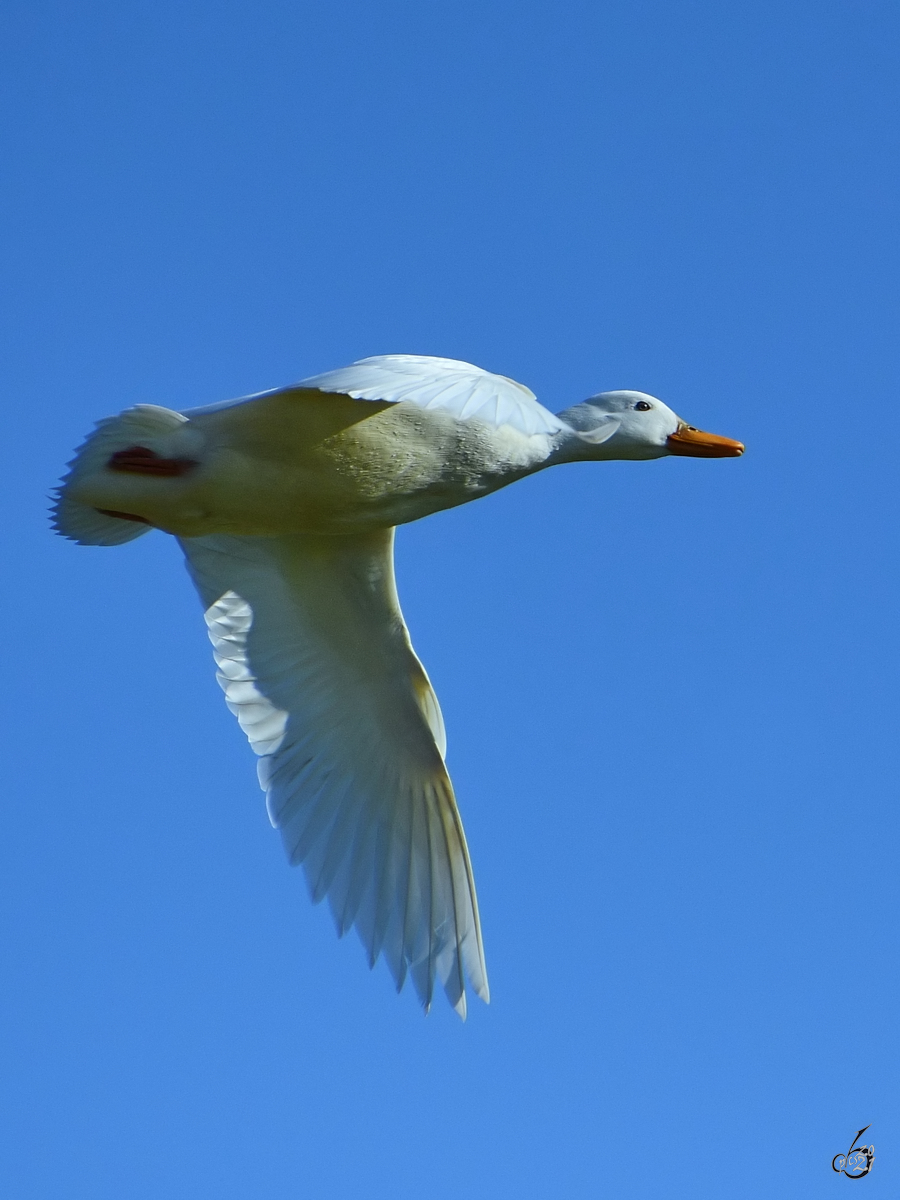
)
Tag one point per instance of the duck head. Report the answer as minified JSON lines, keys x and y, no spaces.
{"x":635,"y":425}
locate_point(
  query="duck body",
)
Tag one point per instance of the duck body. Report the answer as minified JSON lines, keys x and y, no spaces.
{"x":310,"y":462}
{"x":284,"y":504}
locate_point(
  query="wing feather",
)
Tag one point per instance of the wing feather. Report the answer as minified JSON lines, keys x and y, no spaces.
{"x":315,"y":661}
{"x":441,"y":384}
{"x":455,"y":387}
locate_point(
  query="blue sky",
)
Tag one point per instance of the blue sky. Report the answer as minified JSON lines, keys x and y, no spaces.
{"x":670,"y":687}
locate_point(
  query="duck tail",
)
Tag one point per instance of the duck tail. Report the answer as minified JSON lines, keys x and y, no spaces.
{"x":90,"y":526}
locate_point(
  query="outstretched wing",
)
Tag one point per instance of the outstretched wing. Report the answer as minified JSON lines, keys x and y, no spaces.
{"x":315,"y":661}
{"x":455,"y":387}
{"x":458,"y":388}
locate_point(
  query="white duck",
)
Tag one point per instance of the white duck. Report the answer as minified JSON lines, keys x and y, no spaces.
{"x":285,"y":505}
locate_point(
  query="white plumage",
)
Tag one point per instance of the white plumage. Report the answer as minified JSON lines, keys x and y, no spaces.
{"x":284,"y":504}
{"x":457,"y":388}
{"x":316,"y":664}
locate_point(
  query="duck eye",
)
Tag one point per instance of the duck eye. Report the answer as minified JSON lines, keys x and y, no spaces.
{"x":643,"y":406}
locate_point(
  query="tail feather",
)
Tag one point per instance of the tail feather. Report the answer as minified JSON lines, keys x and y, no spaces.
{"x":92,"y":526}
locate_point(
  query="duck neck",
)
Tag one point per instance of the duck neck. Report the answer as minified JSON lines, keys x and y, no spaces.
{"x":573,"y":444}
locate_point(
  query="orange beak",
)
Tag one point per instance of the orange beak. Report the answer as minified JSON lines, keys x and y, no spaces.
{"x":694,"y":443}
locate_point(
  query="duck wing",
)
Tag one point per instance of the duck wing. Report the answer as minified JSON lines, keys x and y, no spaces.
{"x":315,"y":661}
{"x":459,"y":388}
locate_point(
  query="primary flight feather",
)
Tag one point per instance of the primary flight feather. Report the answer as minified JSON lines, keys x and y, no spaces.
{"x":285,"y":504}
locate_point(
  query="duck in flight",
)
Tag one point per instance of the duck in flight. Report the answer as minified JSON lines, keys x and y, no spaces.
{"x":285,"y":505}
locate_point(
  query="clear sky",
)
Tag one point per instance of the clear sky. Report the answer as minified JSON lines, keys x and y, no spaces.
{"x":670,"y":687}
